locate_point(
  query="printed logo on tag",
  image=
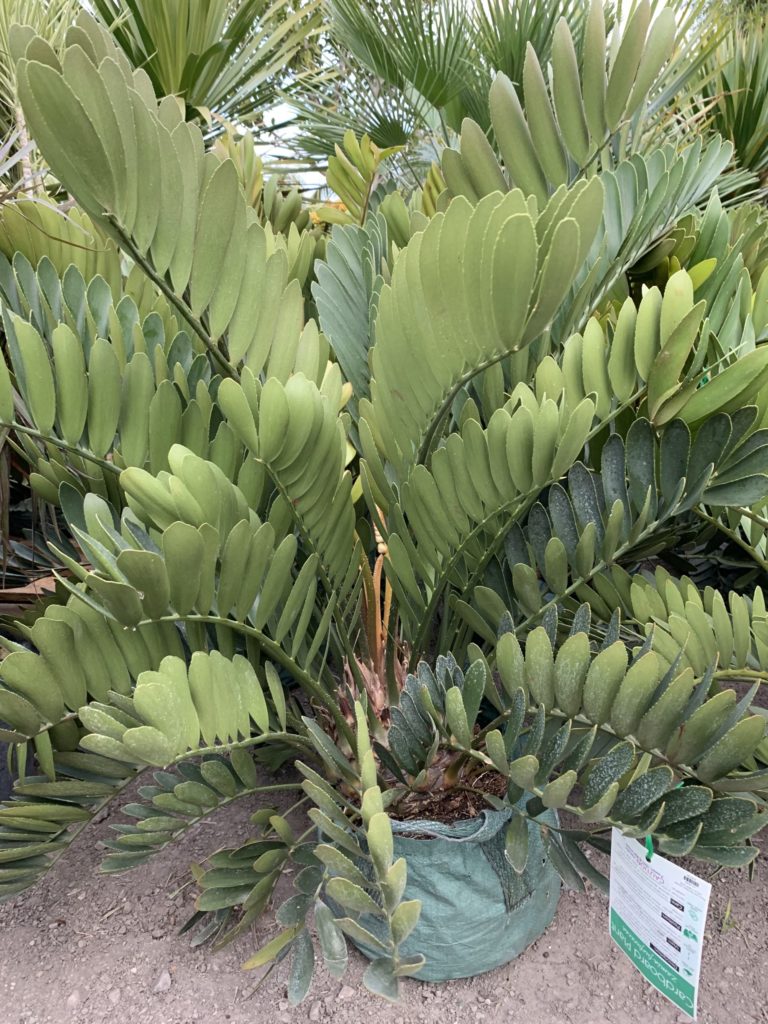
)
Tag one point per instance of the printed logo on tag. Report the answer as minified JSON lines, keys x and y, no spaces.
{"x":657,"y":916}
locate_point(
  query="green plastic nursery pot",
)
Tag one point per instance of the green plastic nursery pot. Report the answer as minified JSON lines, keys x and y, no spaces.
{"x":477,"y":913}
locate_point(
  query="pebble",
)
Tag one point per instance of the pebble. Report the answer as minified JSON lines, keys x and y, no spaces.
{"x":114,"y":996}
{"x":315,"y":1010}
{"x":74,"y":1000}
{"x":345,"y":992}
{"x":163,"y":982}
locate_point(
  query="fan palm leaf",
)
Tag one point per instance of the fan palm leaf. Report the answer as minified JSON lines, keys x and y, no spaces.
{"x":738,"y":95}
{"x":428,"y":65}
{"x":226,"y":56}
{"x":49,"y":19}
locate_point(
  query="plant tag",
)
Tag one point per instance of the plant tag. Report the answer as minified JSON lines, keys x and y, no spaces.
{"x":657,"y":917}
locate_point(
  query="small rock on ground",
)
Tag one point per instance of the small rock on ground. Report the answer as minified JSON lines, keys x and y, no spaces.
{"x":163,"y":982}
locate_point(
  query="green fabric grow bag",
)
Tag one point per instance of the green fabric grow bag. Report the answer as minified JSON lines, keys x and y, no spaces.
{"x":477,"y":913}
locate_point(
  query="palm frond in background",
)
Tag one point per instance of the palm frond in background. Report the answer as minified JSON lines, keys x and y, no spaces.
{"x":503,"y":30}
{"x":737,"y":92}
{"x":408,"y":72}
{"x":229,"y":57}
{"x":49,"y":19}
{"x":411,"y":72}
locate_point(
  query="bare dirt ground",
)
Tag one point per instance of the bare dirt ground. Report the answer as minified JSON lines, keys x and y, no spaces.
{"x":88,"y":949}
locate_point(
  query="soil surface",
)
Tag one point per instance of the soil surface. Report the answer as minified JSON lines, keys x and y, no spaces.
{"x":459,"y":803}
{"x":88,"y":949}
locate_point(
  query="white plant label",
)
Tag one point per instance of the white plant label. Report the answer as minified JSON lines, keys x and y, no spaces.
{"x":657,"y":916}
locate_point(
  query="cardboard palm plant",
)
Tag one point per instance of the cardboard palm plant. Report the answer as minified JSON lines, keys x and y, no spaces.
{"x":412,"y":553}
